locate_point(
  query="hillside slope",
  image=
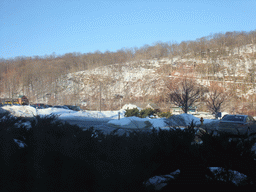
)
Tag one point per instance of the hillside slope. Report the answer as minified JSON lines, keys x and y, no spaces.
{"x":145,"y":80}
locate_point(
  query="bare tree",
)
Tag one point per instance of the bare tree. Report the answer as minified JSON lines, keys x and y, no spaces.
{"x":215,"y":99}
{"x":184,"y":93}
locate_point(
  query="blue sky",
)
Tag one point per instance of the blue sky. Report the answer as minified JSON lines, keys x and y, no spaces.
{"x":39,"y":28}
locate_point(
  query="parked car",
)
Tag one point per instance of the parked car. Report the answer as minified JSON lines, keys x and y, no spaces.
{"x":60,"y":106}
{"x":38,"y":105}
{"x":73,"y":107}
{"x":244,"y":124}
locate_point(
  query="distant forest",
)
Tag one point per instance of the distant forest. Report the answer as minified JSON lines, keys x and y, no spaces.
{"x":27,"y":75}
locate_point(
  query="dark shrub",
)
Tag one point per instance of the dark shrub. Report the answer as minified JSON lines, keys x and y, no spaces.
{"x":147,"y":112}
{"x":61,"y":157}
{"x":164,"y":114}
{"x":132,"y":112}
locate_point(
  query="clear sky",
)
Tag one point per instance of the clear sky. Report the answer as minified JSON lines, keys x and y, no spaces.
{"x":41,"y":27}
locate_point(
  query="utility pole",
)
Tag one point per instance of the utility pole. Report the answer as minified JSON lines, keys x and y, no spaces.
{"x":120,"y":83}
{"x":253,"y":83}
{"x":100,"y":96}
{"x":155,"y":89}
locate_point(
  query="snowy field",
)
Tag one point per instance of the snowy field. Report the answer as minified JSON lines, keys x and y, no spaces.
{"x":113,"y":120}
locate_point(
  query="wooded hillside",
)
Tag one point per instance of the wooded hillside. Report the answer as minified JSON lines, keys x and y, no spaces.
{"x":228,"y":58}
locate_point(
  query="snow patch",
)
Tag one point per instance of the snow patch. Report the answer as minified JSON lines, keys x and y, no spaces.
{"x":21,"y":111}
{"x":130,"y":106}
{"x":20,"y":143}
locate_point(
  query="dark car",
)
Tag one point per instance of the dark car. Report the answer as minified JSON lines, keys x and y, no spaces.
{"x":244,"y":124}
{"x":73,"y":107}
{"x":60,"y":106}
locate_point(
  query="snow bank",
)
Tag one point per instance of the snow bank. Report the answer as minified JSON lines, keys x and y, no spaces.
{"x":106,"y":114}
{"x":2,"y":110}
{"x":113,"y":116}
{"x":158,"y":123}
{"x":186,"y":119}
{"x":21,"y":111}
{"x":175,"y":120}
{"x":126,"y":121}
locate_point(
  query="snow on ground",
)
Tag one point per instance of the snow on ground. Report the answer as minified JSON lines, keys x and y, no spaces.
{"x":28,"y":111}
{"x":126,"y":121}
{"x":20,"y":143}
{"x":130,"y":106}
{"x":238,"y":177}
{"x":189,"y":118}
{"x":2,"y":110}
{"x":20,"y":111}
{"x":113,"y":116}
{"x":158,"y":182}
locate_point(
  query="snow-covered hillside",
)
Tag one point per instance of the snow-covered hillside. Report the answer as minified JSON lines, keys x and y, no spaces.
{"x":147,"y":78}
{"x":129,"y":79}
